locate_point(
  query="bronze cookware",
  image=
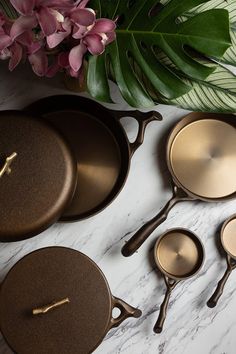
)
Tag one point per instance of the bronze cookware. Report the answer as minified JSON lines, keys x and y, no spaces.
{"x":56,"y":300}
{"x":179,"y":254}
{"x":38,"y":175}
{"x":201,"y":157}
{"x":100,"y":144}
{"x":228,"y":241}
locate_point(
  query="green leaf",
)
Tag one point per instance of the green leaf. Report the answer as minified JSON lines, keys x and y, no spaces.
{"x":8,"y":9}
{"x":97,"y":79}
{"x":230,"y":6}
{"x":216,"y":94}
{"x":143,"y":29}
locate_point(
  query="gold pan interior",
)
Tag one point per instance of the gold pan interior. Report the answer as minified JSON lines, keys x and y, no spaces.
{"x":203,"y":158}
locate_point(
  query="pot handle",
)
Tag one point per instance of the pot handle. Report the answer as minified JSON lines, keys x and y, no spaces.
{"x":143,"y":120}
{"x":212,"y":302}
{"x":126,"y":311}
{"x":146,"y":230}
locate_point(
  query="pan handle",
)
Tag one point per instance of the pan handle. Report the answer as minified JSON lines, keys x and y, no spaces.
{"x":145,"y":231}
{"x":170,"y":285}
{"x":212,"y":302}
{"x":143,"y":120}
{"x":126,"y":311}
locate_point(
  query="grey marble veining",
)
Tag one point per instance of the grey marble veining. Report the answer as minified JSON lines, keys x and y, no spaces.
{"x":191,"y":327}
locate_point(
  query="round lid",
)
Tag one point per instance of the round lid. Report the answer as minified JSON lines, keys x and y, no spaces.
{"x":71,"y":291}
{"x":37,"y":176}
{"x":228,"y":236}
{"x":203,"y":158}
{"x":179,"y":253}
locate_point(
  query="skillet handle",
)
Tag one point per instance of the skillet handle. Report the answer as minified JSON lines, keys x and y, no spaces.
{"x":126,"y":311}
{"x":212,"y":302}
{"x":146,"y":230}
{"x":143,"y":120}
{"x":164,"y":306}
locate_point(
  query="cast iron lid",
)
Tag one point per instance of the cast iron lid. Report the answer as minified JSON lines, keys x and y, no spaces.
{"x":79,"y":321}
{"x":37,"y":176}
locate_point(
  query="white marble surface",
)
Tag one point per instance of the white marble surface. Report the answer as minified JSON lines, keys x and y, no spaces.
{"x":191,"y":327}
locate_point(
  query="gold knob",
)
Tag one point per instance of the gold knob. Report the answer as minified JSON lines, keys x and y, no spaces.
{"x":45,"y":309}
{"x":7,"y":166}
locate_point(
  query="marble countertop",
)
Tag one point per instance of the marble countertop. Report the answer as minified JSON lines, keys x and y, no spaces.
{"x":191,"y":327}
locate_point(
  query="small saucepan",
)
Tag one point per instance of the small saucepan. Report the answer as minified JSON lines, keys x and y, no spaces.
{"x":100,"y":144}
{"x":201,"y":157}
{"x":228,"y":241}
{"x":179,"y":254}
{"x":56,"y":300}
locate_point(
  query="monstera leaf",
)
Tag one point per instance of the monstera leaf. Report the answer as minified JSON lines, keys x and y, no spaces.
{"x":229,"y":5}
{"x":147,"y":28}
{"x":217,"y":93}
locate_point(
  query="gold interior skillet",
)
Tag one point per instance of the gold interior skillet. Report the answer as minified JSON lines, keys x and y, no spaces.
{"x":201,"y":157}
{"x":228,"y":241}
{"x":179,"y":254}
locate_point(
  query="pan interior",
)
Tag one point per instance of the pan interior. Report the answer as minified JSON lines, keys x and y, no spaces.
{"x":203,"y":158}
{"x":229,"y":237}
{"x":98,"y":156}
{"x":178,"y":254}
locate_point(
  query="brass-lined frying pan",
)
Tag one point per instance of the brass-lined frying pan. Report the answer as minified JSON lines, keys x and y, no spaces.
{"x":228,"y":241}
{"x":179,"y":254}
{"x":201,"y":157}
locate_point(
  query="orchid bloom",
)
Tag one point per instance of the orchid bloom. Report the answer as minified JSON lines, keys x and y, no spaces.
{"x":95,"y":40}
{"x":43,"y":25}
{"x":48,"y":13}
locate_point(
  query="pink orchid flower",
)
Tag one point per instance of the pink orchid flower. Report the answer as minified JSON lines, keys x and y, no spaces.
{"x":95,"y":40}
{"x":78,"y":20}
{"x":48,"y":13}
{"x":45,"y":24}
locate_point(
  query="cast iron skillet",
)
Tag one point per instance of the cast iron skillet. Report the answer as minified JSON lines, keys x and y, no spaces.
{"x":201,"y":157}
{"x":101,"y":145}
{"x":179,"y":254}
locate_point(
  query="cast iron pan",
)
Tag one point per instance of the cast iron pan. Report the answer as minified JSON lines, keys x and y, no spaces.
{"x":101,"y":145}
{"x":179,"y":254}
{"x":228,"y":241}
{"x":56,"y":300}
{"x":201,"y":157}
{"x":38,"y":175}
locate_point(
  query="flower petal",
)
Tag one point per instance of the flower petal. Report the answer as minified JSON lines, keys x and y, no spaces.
{"x":24,"y":7}
{"x":79,"y":31}
{"x":103,"y":25}
{"x":95,"y":44}
{"x":22,"y":24}
{"x":47,"y":21}
{"x":5,"y":41}
{"x":76,"y":56}
{"x":111,"y":36}
{"x":83,"y":17}
{"x":54,"y":39}
{"x":16,"y":55}
{"x":63,"y":60}
{"x":39,"y":62}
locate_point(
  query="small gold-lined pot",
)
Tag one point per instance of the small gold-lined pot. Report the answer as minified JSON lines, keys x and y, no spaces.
{"x":179,"y":254}
{"x":228,"y":241}
{"x":57,"y":300}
